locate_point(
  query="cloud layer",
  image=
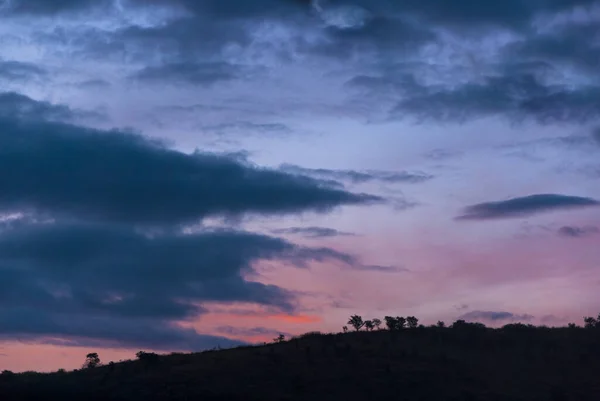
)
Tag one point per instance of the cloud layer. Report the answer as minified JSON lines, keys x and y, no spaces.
{"x":90,"y":251}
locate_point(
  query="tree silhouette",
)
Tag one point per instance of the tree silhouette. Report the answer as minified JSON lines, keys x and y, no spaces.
{"x":400,"y":322}
{"x":356,"y":322}
{"x":412,"y":321}
{"x":591,"y":323}
{"x":345,"y":329}
{"x":377,"y":323}
{"x":279,"y":339}
{"x":92,"y":360}
{"x":441,"y":324}
{"x":369,"y":325}
{"x":390,"y":322}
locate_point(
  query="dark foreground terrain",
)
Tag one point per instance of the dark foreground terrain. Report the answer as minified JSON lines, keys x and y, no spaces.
{"x":463,"y":363}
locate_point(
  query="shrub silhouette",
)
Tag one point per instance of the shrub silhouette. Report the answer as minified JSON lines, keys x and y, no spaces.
{"x":356,"y":322}
{"x":377,"y":323}
{"x":279,"y":339}
{"x":147,"y":357}
{"x":369,"y":325}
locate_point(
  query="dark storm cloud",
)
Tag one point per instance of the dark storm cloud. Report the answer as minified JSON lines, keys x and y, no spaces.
{"x":70,"y":171}
{"x":19,"y":71}
{"x":312,"y":232}
{"x":360,"y":177}
{"x":525,"y":206}
{"x":55,"y":277}
{"x":490,"y":316}
{"x":191,"y":73}
{"x":93,"y":262}
{"x":578,"y":232}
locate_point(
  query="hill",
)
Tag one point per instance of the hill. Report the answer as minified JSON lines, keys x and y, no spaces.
{"x":467,"y":362}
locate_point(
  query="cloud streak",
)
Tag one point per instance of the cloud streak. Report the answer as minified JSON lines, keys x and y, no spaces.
{"x":312,"y":232}
{"x":360,"y":177}
{"x":578,"y":232}
{"x":525,"y":206}
{"x":495,"y":317}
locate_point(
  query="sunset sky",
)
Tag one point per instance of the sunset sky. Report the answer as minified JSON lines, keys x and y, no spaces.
{"x":177,"y":175}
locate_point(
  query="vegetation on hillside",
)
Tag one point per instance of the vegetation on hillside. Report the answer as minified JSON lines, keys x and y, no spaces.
{"x":406,"y":361}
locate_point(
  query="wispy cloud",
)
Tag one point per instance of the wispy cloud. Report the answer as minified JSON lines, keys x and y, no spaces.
{"x":359,"y":177}
{"x":494,"y":317}
{"x":312,"y":232}
{"x":578,"y":232}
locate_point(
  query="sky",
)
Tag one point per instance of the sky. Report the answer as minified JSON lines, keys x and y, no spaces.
{"x":179,"y":175}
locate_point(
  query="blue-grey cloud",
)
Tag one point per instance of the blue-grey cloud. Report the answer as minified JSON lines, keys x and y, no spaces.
{"x":312,"y":232}
{"x":66,"y":330}
{"x":70,"y":171}
{"x":191,"y":73}
{"x":578,"y":232}
{"x":518,"y":97}
{"x":45,"y":7}
{"x":194,"y":43}
{"x":14,"y":106}
{"x":248,"y":128}
{"x":20,"y":71}
{"x":382,"y":269}
{"x":54,"y":274}
{"x":568,"y":45}
{"x":509,"y":13}
{"x":525,"y":206}
{"x":596,"y":135}
{"x":359,"y":177}
{"x":494,"y":317}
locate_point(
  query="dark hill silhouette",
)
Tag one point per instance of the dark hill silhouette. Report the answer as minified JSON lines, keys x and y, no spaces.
{"x":464,"y":362}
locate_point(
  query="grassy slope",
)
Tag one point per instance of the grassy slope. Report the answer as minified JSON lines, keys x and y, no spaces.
{"x":418,"y":364}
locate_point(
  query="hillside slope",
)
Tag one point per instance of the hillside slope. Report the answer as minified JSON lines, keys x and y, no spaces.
{"x":471,"y":363}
